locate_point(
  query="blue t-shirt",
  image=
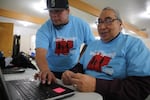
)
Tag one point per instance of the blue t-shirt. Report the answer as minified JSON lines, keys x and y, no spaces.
{"x":63,"y":45}
{"x":124,"y":56}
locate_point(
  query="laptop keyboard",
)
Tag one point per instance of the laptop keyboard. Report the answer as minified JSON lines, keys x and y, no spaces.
{"x":33,"y":90}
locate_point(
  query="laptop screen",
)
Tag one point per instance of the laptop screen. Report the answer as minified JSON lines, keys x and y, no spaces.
{"x":4,"y":95}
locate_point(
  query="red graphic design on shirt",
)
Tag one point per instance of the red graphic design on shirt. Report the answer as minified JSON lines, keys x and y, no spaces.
{"x":97,"y":62}
{"x":63,"y":46}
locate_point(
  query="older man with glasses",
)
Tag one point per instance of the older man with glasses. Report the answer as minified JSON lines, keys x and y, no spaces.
{"x":117,"y":66}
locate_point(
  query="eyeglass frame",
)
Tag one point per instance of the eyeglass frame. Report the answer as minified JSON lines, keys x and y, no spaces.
{"x":107,"y":21}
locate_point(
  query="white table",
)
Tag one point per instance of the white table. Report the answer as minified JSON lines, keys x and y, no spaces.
{"x":29,"y":74}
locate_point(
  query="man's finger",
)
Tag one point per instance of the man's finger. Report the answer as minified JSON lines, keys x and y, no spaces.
{"x":76,"y":75}
{"x":36,"y":76}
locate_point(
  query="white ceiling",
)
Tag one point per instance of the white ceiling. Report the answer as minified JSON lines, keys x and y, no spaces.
{"x":130,"y":10}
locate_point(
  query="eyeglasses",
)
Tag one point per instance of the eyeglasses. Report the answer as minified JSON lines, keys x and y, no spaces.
{"x":107,"y":21}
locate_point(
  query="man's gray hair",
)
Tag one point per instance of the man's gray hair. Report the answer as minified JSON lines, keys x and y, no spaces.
{"x":117,"y":14}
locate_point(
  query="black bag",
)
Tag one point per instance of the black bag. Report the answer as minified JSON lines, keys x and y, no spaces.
{"x":23,"y":60}
{"x":2,"y":62}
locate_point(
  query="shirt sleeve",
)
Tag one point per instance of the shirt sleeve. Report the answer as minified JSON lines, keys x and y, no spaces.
{"x":130,"y":88}
{"x":138,"y":59}
{"x":42,"y":39}
{"x":89,"y":35}
{"x":86,"y":32}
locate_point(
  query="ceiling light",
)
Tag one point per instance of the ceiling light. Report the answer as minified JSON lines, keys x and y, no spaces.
{"x":148,"y":10}
{"x":145,"y":15}
{"x":40,"y":6}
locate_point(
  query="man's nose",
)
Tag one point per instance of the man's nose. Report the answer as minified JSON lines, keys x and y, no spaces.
{"x":102,"y":26}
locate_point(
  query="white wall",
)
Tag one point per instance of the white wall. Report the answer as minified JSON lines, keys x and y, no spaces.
{"x":26,"y":42}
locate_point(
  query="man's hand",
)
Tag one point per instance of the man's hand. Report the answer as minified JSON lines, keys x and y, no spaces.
{"x":66,"y":77}
{"x":45,"y":76}
{"x":83,"y":83}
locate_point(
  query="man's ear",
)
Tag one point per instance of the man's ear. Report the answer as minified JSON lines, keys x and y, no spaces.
{"x":120,"y":23}
{"x":68,"y":10}
{"x":121,"y":26}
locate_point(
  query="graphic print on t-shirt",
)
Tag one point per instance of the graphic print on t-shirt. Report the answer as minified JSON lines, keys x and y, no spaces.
{"x":63,"y":46}
{"x":98,"y":61}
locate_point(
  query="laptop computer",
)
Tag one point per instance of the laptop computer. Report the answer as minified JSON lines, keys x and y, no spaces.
{"x":13,"y":70}
{"x":30,"y":89}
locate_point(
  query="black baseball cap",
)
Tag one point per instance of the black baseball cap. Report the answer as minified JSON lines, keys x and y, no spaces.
{"x":57,"y":4}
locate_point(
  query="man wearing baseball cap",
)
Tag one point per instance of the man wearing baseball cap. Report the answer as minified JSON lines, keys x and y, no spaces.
{"x":58,"y":41}
{"x":57,"y":4}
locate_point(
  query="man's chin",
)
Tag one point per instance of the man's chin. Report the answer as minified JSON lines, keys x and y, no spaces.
{"x":57,"y":24}
{"x":103,"y":36}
